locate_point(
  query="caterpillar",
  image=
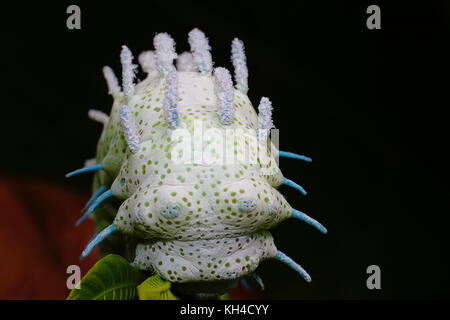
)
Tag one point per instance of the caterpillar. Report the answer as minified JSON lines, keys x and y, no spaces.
{"x":190,"y":166}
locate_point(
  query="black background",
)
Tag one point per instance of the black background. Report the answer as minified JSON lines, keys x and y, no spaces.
{"x":367,"y":105}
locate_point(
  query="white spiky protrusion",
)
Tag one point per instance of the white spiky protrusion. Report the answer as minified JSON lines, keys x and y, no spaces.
{"x":129,"y":129}
{"x":165,"y":52}
{"x":98,"y":116}
{"x":128,"y":72}
{"x":185,"y":62}
{"x":111,"y":80}
{"x":265,"y":122}
{"x":201,"y":51}
{"x":240,"y":65}
{"x":171,"y":100}
{"x":147,"y":60}
{"x":224,"y":90}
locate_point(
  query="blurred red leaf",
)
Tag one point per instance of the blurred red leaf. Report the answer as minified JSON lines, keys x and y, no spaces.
{"x":38,"y":240}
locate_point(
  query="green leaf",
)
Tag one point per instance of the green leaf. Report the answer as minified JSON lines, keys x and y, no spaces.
{"x":154,"y":288}
{"x":111,"y":278}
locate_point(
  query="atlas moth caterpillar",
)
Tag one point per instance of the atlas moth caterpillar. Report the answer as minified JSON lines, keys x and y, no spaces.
{"x":194,"y":221}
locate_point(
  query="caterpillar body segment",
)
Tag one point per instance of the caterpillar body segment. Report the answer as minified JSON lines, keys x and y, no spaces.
{"x":189,"y":174}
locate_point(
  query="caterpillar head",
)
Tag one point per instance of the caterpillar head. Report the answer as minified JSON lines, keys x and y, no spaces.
{"x":189,"y":211}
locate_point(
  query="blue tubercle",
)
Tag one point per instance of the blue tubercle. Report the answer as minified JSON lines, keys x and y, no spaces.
{"x":246,"y":285}
{"x":304,"y":217}
{"x":254,"y":278}
{"x":108,"y":193}
{"x":94,"y":196}
{"x":285,"y":154}
{"x":280,"y":256}
{"x":93,"y":237}
{"x":292,"y":184}
{"x":258,"y":280}
{"x":85,"y":169}
{"x":97,"y":239}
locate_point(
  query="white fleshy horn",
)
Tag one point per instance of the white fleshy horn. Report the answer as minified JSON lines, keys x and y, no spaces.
{"x":185,"y":62}
{"x":129,"y":129}
{"x":90,"y":162}
{"x":147,"y":60}
{"x":265,"y":122}
{"x":111,"y":80}
{"x":240,"y":65}
{"x":128,"y":72}
{"x":98,"y":116}
{"x":165,"y":52}
{"x":171,"y":100}
{"x":224,"y":90}
{"x":201,"y":51}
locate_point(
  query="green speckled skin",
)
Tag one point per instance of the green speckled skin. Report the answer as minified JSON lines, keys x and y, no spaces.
{"x":194,"y":221}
